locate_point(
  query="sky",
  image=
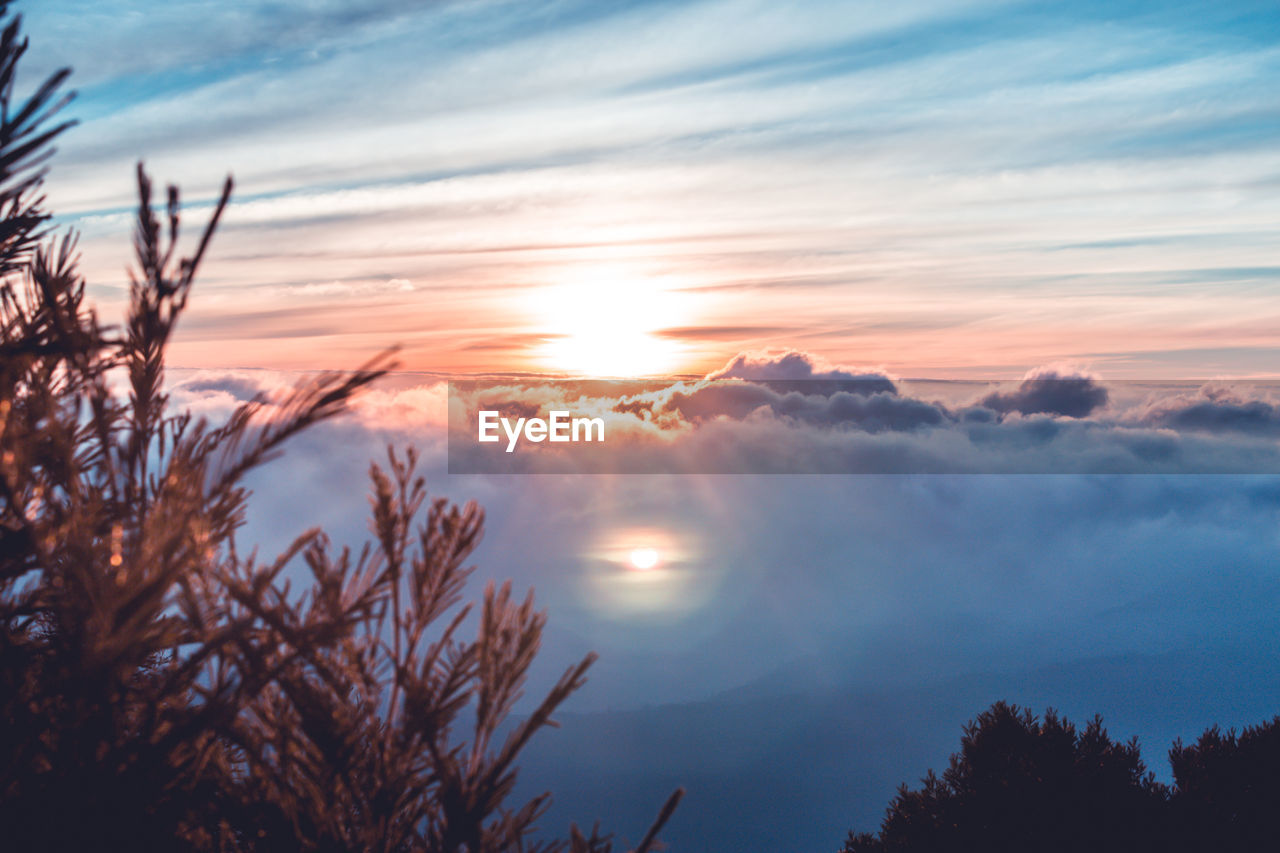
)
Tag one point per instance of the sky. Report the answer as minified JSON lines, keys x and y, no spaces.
{"x":1071,"y":207}
{"x":934,"y":188}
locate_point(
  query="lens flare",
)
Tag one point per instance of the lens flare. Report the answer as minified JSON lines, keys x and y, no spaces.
{"x":648,"y":573}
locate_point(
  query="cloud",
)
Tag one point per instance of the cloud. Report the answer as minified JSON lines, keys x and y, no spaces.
{"x":406,"y":403}
{"x":866,"y":585}
{"x":968,"y":571}
{"x":1215,"y":410}
{"x":905,"y":191}
{"x":718,"y":333}
{"x":214,"y":394}
{"x":841,"y":161}
{"x":349,"y":288}
{"x":239,"y":386}
{"x":820,"y":403}
{"x":1049,"y":392}
{"x":1050,"y":423}
{"x":232,"y":36}
{"x":794,"y":365}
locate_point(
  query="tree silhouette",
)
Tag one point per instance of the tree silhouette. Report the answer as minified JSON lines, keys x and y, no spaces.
{"x":1227,"y":789}
{"x":1023,"y":783}
{"x":159,"y":688}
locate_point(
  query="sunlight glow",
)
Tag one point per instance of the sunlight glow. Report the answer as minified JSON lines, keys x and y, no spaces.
{"x":607,"y":325}
{"x":649,"y":573}
{"x":644,"y":559}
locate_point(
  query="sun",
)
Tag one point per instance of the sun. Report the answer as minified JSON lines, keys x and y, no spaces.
{"x":610,"y":326}
{"x":644,"y":559}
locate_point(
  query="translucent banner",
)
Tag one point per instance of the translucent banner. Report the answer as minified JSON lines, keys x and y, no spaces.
{"x":1047,"y":424}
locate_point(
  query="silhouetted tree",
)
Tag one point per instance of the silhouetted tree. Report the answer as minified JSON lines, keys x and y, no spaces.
{"x":1021,"y":783}
{"x":159,"y":688}
{"x":1227,"y":790}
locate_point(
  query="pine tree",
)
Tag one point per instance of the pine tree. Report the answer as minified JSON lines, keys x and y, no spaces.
{"x":159,"y":688}
{"x":1021,"y":782}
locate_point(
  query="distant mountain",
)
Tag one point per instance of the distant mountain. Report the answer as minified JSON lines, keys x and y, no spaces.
{"x":788,"y":764}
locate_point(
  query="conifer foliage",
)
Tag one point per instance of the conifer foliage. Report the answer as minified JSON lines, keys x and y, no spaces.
{"x":1022,"y":782}
{"x":159,"y":688}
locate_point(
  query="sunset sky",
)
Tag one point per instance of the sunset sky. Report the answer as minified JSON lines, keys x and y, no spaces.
{"x":936,"y":188}
{"x":925,"y":190}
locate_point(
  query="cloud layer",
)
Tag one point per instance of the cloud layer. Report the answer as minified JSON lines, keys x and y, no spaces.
{"x":812,"y":599}
{"x":798,"y":418}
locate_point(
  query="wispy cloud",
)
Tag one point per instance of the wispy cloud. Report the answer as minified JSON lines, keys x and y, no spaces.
{"x":1065,"y":171}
